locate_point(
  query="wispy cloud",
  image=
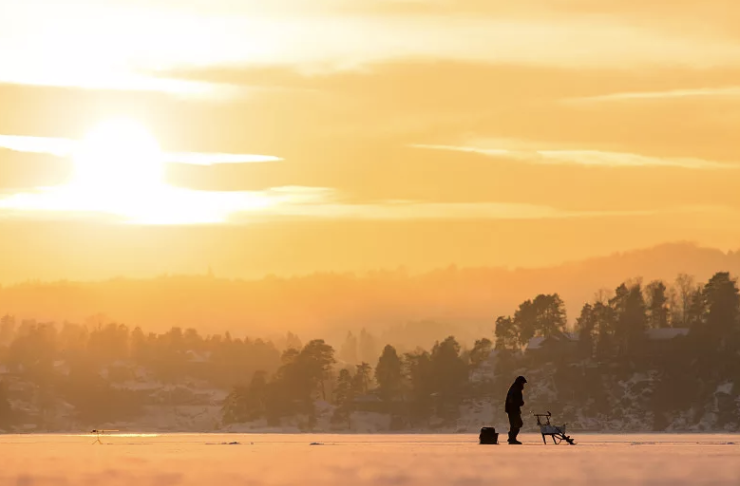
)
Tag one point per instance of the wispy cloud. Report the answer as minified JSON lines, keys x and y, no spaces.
{"x":595,"y":158}
{"x":200,"y":158}
{"x":235,"y":33}
{"x":244,"y":207}
{"x":414,"y":210}
{"x":177,"y":206}
{"x":65,"y":147}
{"x":58,"y":147}
{"x":164,"y":205}
{"x":723,"y":92}
{"x":125,"y":81}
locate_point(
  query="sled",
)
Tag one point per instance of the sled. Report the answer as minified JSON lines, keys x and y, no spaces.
{"x":557,"y":432}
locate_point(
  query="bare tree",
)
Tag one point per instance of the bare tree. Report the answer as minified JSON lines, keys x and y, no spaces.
{"x":685,"y":286}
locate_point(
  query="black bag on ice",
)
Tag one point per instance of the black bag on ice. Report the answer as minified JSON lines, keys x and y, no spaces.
{"x":488,"y":435}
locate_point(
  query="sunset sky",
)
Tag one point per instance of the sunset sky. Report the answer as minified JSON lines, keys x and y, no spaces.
{"x":290,"y":136}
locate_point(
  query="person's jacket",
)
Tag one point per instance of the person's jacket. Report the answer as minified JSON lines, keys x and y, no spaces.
{"x":514,"y":399}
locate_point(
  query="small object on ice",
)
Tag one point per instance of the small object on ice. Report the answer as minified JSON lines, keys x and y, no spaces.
{"x":488,"y":435}
{"x":98,"y":432}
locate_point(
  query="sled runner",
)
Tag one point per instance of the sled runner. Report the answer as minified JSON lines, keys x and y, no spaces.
{"x":557,"y":432}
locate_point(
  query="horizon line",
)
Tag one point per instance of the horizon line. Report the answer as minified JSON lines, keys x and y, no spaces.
{"x":401,"y":268}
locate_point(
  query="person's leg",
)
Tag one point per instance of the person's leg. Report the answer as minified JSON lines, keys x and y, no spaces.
{"x":513,"y":428}
{"x":515,"y":425}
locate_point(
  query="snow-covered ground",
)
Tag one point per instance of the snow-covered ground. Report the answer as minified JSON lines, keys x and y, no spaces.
{"x":305,"y":459}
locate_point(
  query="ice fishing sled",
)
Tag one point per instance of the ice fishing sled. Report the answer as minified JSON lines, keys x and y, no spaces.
{"x":557,"y":432}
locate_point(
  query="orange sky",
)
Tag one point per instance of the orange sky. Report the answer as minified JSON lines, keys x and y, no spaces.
{"x":337,"y":134}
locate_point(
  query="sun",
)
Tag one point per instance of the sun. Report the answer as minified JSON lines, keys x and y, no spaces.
{"x":119,"y":171}
{"x":118,"y":156}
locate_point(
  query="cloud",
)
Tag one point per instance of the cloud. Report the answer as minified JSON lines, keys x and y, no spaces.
{"x":163,"y":205}
{"x":185,"y":207}
{"x":415,"y":210}
{"x":724,"y":92}
{"x":199,"y":158}
{"x":596,"y":158}
{"x":65,"y":147}
{"x":58,"y":147}
{"x":444,"y":99}
{"x":169,"y":38}
{"x":124,"y":81}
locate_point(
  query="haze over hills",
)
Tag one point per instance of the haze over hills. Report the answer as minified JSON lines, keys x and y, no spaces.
{"x":464,"y":301}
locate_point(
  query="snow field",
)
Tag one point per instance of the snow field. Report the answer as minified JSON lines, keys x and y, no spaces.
{"x":424,"y":459}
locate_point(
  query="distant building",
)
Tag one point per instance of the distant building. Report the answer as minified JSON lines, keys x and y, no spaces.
{"x":666,"y":333}
{"x":367,"y":399}
{"x":368,"y":403}
{"x":556,"y":344}
{"x":660,"y":339}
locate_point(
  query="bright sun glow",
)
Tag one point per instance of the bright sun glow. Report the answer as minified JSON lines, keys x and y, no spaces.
{"x":119,"y":170}
{"x":118,"y":156}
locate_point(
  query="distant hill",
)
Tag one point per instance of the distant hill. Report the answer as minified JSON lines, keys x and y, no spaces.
{"x":465,"y":300}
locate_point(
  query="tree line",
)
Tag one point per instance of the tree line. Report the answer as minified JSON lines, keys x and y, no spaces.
{"x":412,"y":386}
{"x":89,"y":365}
{"x":608,"y":343}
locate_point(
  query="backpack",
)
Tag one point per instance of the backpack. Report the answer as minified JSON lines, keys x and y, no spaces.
{"x":488,"y":435}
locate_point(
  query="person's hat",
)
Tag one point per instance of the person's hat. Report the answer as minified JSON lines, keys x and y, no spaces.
{"x":521,"y":379}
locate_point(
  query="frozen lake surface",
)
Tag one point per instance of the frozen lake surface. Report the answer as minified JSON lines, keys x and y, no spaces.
{"x":209,"y":459}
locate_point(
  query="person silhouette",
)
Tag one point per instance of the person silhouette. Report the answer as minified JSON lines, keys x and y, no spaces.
{"x":513,"y":408}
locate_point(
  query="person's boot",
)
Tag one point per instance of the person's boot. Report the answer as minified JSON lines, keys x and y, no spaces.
{"x":512,"y":439}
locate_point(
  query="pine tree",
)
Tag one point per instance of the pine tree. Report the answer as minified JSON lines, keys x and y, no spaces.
{"x":348,"y":351}
{"x":419,"y":374}
{"x":361,"y":380}
{"x":586,"y":326}
{"x":388,"y":374}
{"x":550,"y":317}
{"x":480,"y":352}
{"x":722,"y":303}
{"x":344,"y":396}
{"x":507,"y":337}
{"x":657,"y":305}
{"x":450,"y":376}
{"x":630,"y":317}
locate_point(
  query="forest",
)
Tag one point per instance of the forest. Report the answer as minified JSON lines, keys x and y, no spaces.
{"x":656,"y":356}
